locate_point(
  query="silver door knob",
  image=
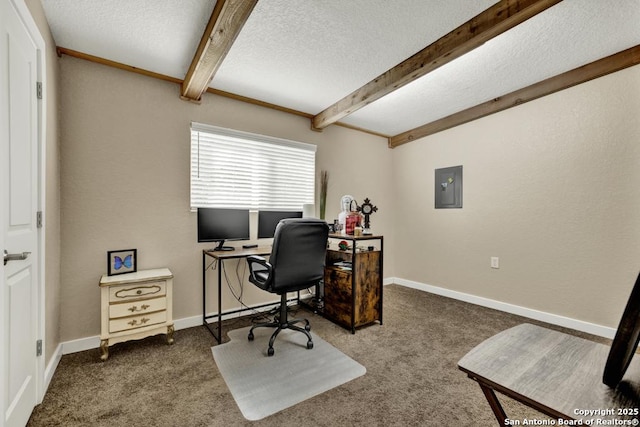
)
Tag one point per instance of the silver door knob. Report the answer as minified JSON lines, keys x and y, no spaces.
{"x":14,"y":257}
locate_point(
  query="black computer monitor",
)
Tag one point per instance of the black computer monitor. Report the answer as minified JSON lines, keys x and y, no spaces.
{"x":218,"y":225}
{"x":268,"y":220}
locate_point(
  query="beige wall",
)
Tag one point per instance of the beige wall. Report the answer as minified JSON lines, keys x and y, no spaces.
{"x":125,"y":181}
{"x":551,"y":187}
{"x":52,"y":186}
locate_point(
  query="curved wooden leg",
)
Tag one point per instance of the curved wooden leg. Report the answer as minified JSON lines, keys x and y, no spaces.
{"x":104,"y":347}
{"x":170,"y":334}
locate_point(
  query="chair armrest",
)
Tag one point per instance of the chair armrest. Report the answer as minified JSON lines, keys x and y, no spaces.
{"x":256,"y":259}
{"x":259,"y":270}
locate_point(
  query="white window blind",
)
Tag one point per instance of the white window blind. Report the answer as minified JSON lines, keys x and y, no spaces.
{"x":233,"y":169}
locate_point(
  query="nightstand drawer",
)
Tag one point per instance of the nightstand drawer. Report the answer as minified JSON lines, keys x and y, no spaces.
{"x":133,"y":322}
{"x":137,"y":307}
{"x":131,"y":292}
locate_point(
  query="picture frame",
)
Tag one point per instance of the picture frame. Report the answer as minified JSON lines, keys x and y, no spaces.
{"x":122,"y":261}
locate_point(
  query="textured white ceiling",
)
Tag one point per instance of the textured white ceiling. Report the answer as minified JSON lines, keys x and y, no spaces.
{"x":305,"y":55}
{"x":159,"y":36}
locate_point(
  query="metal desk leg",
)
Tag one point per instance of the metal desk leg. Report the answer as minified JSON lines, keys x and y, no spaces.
{"x":204,"y":300}
{"x":204,"y":289}
{"x":220,"y":301}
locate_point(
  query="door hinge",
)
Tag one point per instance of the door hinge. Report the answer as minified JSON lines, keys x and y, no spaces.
{"x":39,"y":90}
{"x":39,"y":348}
{"x":39,"y":219}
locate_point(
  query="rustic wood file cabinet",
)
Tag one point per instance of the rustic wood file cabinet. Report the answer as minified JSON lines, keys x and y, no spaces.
{"x":353,"y":280}
{"x":134,"y":306}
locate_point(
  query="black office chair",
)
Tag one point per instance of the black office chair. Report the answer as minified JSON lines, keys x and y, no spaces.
{"x":296,"y":262}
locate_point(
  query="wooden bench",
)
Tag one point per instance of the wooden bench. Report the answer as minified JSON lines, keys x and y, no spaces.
{"x":561,"y":375}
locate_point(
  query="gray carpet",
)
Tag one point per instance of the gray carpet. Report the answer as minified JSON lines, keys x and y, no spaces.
{"x":412,"y":376}
{"x":262,"y":386}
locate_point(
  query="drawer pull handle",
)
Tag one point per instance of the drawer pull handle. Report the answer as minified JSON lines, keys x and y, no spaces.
{"x":138,"y":291}
{"x":134,"y":322}
{"x":135,"y":308}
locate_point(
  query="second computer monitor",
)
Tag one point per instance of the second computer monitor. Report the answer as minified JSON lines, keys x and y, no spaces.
{"x":268,"y":220}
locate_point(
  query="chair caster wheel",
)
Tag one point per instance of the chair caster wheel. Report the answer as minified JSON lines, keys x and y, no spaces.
{"x":309,"y":345}
{"x":270,"y":351}
{"x":307,"y":328}
{"x":250,"y":337}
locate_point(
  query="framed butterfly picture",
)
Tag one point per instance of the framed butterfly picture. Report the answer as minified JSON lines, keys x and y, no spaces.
{"x":122,"y":261}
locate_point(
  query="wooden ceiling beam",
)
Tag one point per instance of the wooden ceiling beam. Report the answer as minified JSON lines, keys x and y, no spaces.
{"x":227,"y":19}
{"x":494,"y":21}
{"x":593,"y":70}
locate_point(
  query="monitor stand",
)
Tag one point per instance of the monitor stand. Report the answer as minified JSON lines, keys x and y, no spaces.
{"x":221,"y":247}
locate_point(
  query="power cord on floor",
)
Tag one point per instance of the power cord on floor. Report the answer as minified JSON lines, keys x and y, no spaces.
{"x":257,"y":316}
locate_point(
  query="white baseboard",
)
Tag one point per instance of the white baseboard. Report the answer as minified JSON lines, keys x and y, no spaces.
{"x":554,"y":319}
{"x":50,"y":369}
{"x":81,"y":344}
{"x":90,"y":343}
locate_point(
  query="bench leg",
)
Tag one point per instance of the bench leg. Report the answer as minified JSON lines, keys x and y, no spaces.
{"x":494,"y":403}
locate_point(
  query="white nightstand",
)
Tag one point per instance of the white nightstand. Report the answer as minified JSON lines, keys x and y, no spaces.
{"x":134,"y":306}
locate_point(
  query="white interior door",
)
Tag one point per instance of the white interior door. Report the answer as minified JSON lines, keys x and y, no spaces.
{"x":18,"y":198}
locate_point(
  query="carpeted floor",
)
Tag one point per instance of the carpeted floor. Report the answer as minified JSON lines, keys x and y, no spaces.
{"x":412,"y":376}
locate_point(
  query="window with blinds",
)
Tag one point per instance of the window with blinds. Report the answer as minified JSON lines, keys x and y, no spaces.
{"x":233,"y":169}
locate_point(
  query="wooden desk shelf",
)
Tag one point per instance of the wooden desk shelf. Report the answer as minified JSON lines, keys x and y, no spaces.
{"x":353,"y":297}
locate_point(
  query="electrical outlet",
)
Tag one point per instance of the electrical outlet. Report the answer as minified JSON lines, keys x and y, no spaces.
{"x":495,"y":262}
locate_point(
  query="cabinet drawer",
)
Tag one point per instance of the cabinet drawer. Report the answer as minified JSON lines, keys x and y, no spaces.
{"x":133,"y":322}
{"x":131,"y":292}
{"x":338,"y":295}
{"x":131,"y":308}
{"x":338,"y":278}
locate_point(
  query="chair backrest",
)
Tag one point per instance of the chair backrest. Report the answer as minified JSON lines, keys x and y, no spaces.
{"x":298,"y":254}
{"x":625,"y":342}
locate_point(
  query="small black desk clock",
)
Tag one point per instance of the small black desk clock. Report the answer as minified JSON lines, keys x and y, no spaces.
{"x":367,"y":209}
